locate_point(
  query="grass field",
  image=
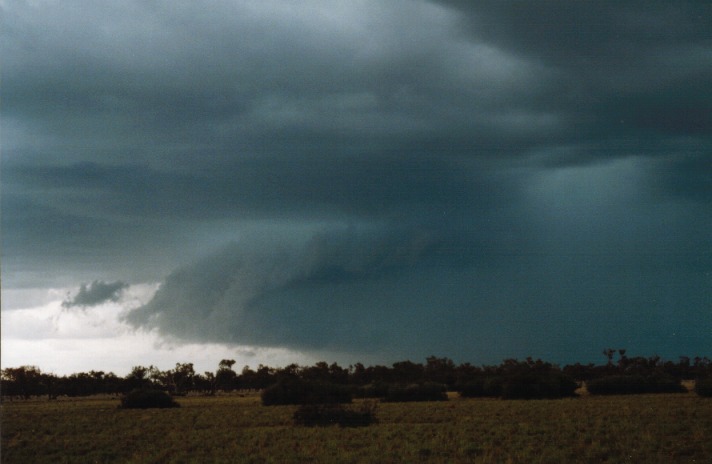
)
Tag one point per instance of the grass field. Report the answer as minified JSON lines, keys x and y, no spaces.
{"x":636,"y":429}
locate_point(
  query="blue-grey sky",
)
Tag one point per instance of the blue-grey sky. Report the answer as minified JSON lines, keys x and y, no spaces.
{"x":355,"y":180}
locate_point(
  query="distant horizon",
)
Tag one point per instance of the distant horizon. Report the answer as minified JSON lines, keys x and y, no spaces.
{"x":238,"y":368}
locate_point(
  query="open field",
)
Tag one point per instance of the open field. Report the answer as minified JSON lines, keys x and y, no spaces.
{"x":636,"y":429}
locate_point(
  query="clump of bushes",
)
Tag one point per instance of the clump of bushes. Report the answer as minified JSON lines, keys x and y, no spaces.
{"x":145,"y":398}
{"x":524,"y":385}
{"x":372,"y":390}
{"x":633,"y":384}
{"x":292,"y":390}
{"x":426,"y":391}
{"x":703,"y":387}
{"x":548,"y":385}
{"x":490,"y":386}
{"x":335,"y":414}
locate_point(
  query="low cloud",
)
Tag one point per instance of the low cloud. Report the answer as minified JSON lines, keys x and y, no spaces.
{"x":96,"y":293}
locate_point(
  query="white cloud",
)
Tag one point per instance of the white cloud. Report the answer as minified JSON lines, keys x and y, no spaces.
{"x":67,"y":341}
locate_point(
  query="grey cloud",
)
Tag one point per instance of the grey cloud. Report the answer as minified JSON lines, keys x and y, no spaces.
{"x":96,"y":293}
{"x":380,"y":186}
{"x":343,"y":290}
{"x":456,"y":154}
{"x":370,"y":293}
{"x":630,"y":70}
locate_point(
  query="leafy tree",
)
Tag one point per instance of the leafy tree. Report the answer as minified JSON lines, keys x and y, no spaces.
{"x":226,"y":364}
{"x":440,"y":370}
{"x":293,"y":390}
{"x":359,"y":375}
{"x":205,"y":383}
{"x":225,"y":377}
{"x":138,"y":378}
{"x":182,"y":377}
{"x":25,"y":381}
{"x":407,"y":372}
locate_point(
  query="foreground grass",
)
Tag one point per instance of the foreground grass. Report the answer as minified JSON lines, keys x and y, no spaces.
{"x":646,"y":428}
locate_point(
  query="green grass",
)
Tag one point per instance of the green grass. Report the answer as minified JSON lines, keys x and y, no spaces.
{"x":646,"y":428}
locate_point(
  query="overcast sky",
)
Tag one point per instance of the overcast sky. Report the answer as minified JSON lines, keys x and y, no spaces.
{"x":372,"y":180}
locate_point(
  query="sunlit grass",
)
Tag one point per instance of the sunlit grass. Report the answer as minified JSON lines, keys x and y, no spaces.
{"x":645,"y":428}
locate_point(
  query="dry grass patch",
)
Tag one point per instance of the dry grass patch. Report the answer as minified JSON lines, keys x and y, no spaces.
{"x":645,"y":428}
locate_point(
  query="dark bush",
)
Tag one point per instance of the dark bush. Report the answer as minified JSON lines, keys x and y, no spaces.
{"x":481,"y":387}
{"x":665,"y":384}
{"x":332,"y":414}
{"x":147,"y":398}
{"x":372,"y":390}
{"x":293,"y":390}
{"x":616,"y":385}
{"x":427,"y":391}
{"x":703,"y":387}
{"x":542,"y":385}
{"x":633,"y":384}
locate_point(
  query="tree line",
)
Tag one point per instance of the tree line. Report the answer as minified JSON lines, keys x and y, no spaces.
{"x":535,"y":378}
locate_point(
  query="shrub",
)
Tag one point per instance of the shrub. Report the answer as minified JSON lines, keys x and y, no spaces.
{"x":145,"y":398}
{"x":633,"y":384}
{"x":665,"y":384}
{"x":293,"y":390}
{"x":481,"y":387}
{"x":703,"y":387}
{"x":616,"y":385}
{"x":532,"y":385}
{"x":331,"y":414}
{"x":372,"y":390}
{"x":427,"y":391}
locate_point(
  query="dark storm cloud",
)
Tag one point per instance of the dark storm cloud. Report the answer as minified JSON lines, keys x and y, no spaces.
{"x":407,"y":295}
{"x":96,"y":293}
{"x":356,"y":290}
{"x":406,"y":173}
{"x":623,"y":69}
{"x":310,"y":186}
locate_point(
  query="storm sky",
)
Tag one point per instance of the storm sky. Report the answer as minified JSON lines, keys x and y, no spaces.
{"x":354,"y":180}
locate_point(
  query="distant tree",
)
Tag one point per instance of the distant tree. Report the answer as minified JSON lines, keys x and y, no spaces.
{"x":626,"y":384}
{"x":182,"y":378}
{"x":338,"y":374}
{"x":407,"y":372}
{"x":608,"y":353}
{"x":580,"y":372}
{"x":248,"y":378}
{"x":226,"y":364}
{"x":358,"y":375}
{"x":225,"y":377}
{"x":293,"y":390}
{"x":25,"y":381}
{"x":265,"y":376}
{"x":466,"y":372}
{"x":319,"y":372}
{"x":622,"y":360}
{"x":138,"y":378}
{"x":205,"y":383}
{"x":440,"y":370}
